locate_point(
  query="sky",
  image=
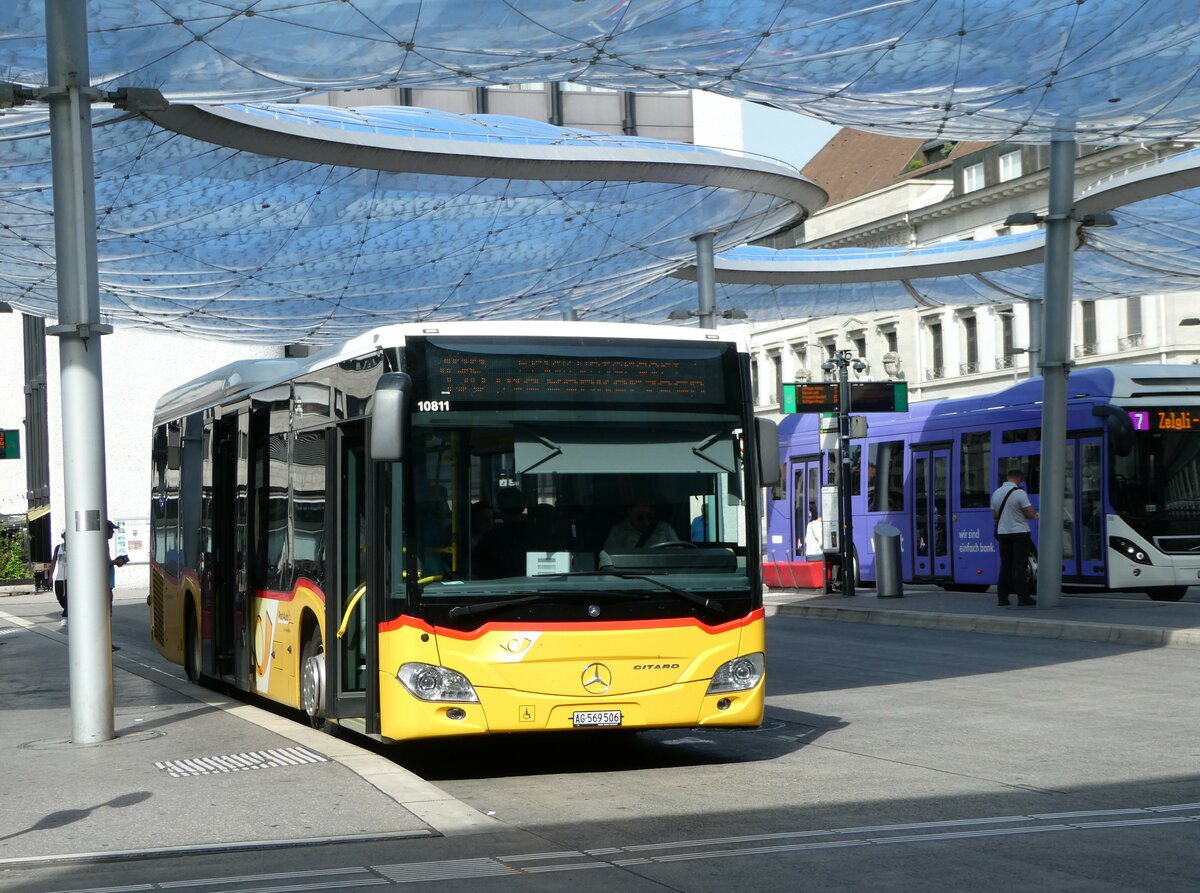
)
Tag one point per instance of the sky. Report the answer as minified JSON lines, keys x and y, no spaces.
{"x":725,"y":123}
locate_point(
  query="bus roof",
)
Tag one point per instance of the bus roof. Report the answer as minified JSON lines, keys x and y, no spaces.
{"x":240,"y":379}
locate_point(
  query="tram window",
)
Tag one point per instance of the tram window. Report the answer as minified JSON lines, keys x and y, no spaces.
{"x":833,"y":464}
{"x":1031,"y":470}
{"x":974,"y":488}
{"x":885,"y":476}
{"x":1021,"y":435}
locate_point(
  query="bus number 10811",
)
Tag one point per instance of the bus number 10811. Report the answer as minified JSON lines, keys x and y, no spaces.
{"x":433,"y":406}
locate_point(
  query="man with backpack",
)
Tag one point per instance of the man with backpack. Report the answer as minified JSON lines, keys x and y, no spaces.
{"x":1012,"y":511}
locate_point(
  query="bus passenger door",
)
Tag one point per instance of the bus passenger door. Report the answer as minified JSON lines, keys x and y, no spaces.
{"x":223,"y":580}
{"x":931,"y":513}
{"x":349,"y":621}
{"x":1083,"y":535}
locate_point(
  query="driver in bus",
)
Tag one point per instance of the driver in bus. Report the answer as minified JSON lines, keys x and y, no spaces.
{"x":639,"y":529}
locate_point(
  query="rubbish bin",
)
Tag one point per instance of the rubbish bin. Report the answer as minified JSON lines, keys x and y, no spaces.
{"x":889,"y":578}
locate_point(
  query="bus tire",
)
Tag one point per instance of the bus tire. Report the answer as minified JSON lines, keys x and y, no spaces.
{"x":312,"y":680}
{"x":191,"y":645}
{"x":1168,"y":593}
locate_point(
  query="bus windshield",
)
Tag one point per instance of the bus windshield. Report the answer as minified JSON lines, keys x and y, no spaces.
{"x":594,"y":486}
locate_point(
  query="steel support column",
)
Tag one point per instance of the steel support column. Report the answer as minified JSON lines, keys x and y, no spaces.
{"x":69,"y":95}
{"x":706,"y":281}
{"x":1056,"y":362}
{"x":1035,"y":337}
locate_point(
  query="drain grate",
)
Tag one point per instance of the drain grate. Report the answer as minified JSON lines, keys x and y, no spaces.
{"x":238,"y":762}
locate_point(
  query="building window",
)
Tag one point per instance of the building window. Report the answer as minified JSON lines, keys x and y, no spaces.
{"x":1089,"y":346}
{"x":860,"y":345}
{"x":971,"y":338}
{"x":892,"y":341}
{"x":973,"y":177}
{"x":754,"y":381}
{"x":800,"y":352}
{"x":936,"y":353}
{"x":1006,"y":359}
{"x":1133,"y":325}
{"x":572,"y":87}
{"x":1010,"y":166}
{"x":777,"y":368}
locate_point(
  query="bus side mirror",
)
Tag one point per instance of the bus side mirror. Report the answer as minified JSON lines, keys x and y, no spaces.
{"x":766,"y":441}
{"x":1118,"y":426}
{"x":390,"y":416}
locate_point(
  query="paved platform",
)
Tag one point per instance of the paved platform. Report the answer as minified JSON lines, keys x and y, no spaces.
{"x":1129,"y":619}
{"x":191,"y":770}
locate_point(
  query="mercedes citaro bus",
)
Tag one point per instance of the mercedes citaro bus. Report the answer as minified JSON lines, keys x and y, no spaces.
{"x":466,"y":528}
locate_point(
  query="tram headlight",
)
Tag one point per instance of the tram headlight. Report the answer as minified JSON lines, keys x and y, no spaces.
{"x":739,"y":674}
{"x":432,"y":683}
{"x":1129,"y":549}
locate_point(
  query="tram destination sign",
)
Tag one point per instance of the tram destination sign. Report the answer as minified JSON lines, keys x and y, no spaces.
{"x":1164,"y":419}
{"x":865,"y":396}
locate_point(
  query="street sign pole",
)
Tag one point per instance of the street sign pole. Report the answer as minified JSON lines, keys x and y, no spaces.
{"x":846,"y":521}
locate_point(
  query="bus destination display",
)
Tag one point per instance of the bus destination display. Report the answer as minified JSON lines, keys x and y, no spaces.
{"x":456,"y":376}
{"x":1156,"y":419}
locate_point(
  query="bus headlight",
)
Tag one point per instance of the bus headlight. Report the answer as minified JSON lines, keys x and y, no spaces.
{"x":430,"y":683}
{"x":739,"y":674}
{"x":1130,"y":550}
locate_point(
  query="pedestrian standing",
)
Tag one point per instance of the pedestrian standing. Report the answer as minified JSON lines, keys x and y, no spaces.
{"x":1012,"y":512}
{"x":58,"y":574}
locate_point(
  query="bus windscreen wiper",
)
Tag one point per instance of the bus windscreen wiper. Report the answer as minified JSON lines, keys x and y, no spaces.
{"x":708,"y":604}
{"x":544,"y":595}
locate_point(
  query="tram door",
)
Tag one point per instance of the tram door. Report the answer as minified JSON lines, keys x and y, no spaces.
{"x":806,"y":500}
{"x":1083,"y":539}
{"x":930,"y":472}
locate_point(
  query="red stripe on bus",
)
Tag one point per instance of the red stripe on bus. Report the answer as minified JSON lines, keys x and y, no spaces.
{"x":406,"y":620}
{"x":279,"y":596}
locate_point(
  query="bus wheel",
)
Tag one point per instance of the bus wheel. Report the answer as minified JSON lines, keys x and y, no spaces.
{"x":191,"y":647}
{"x":312,"y":679}
{"x":1168,"y":593}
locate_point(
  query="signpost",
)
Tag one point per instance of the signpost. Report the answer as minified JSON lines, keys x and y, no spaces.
{"x":10,"y":444}
{"x":866,"y":396}
{"x":837,"y":398}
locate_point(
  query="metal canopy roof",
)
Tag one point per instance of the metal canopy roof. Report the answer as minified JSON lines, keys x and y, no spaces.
{"x":271,"y":222}
{"x":349,"y":220}
{"x":1097,"y":70}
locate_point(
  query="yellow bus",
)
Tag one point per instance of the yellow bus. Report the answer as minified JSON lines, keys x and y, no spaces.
{"x":465,"y":528}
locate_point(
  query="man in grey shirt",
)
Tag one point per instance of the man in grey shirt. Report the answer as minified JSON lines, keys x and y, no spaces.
{"x":1012,"y":510}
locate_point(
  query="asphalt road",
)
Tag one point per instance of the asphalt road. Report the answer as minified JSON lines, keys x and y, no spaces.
{"x":892,"y":759}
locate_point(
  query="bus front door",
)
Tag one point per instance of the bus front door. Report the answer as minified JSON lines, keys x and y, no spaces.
{"x":350,"y":617}
{"x":931,"y":513}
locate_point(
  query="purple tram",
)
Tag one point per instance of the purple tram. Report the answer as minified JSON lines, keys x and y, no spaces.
{"x":1132,"y":519}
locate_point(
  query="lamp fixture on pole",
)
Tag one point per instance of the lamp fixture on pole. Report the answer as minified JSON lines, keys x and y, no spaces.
{"x":842,"y":361}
